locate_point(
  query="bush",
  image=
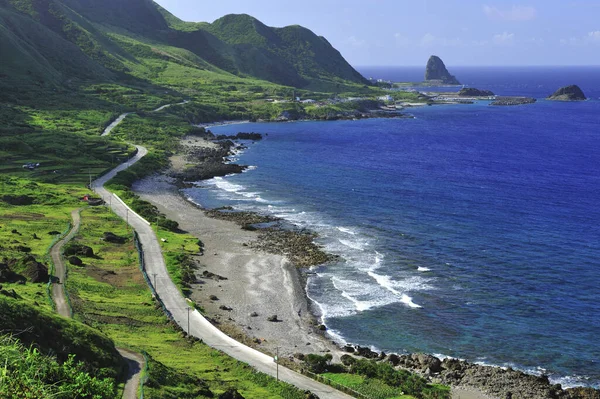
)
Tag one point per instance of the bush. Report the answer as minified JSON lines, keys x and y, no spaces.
{"x":39,"y":376}
{"x":316,"y":363}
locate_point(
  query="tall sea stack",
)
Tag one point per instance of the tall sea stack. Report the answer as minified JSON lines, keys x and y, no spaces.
{"x":436,"y":71}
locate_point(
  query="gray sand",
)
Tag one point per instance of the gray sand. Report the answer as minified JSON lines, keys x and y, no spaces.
{"x":256,"y":281}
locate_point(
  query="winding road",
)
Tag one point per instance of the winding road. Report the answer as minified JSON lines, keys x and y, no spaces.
{"x":134,"y":360}
{"x":190,"y":319}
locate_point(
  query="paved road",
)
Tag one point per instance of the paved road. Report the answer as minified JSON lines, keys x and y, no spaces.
{"x":178,"y":306}
{"x":116,"y":122}
{"x":170,"y":105}
{"x":134,"y":360}
{"x":113,"y":125}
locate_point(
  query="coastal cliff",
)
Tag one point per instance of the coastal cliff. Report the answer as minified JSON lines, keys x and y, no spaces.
{"x":437,"y":71}
{"x":568,"y":93}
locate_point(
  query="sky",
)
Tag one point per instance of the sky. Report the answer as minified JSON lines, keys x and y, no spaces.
{"x":407,"y":32}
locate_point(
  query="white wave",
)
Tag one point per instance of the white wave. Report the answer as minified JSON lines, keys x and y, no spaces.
{"x":225,"y":185}
{"x":423,"y":269}
{"x":358,"y":245}
{"x":408,"y":301}
{"x":346,"y":230}
{"x":362,"y":295}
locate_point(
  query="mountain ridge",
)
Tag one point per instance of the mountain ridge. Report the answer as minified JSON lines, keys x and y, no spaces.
{"x":236,"y":43}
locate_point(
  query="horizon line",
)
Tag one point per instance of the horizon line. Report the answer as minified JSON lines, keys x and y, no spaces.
{"x":483,"y":66}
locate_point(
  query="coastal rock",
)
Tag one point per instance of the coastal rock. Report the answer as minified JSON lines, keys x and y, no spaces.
{"x":472,"y":92}
{"x":568,"y":93}
{"x":298,"y":246}
{"x":208,"y":163}
{"x":366,"y":352}
{"x":241,"y":136}
{"x":436,"y":71}
{"x":509,"y":101}
{"x":495,"y":381}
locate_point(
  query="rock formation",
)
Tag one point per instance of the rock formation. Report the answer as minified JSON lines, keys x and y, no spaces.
{"x":436,"y":71}
{"x":508,"y":101}
{"x":568,"y":93}
{"x":472,"y":92}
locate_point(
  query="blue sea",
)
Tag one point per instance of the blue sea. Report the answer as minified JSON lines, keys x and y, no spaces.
{"x":469,"y":231}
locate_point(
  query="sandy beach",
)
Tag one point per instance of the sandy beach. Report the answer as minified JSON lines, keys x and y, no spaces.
{"x":258,"y":284}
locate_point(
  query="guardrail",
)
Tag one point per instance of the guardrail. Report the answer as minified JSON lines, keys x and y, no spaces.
{"x":138,"y":246}
{"x":131,"y":210}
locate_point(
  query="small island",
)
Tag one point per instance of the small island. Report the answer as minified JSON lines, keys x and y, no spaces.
{"x":472,"y":92}
{"x":568,"y":93}
{"x":436,"y":72}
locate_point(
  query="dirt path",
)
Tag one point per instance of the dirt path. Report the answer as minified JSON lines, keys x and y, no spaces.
{"x":135,"y":361}
{"x":60,"y":270}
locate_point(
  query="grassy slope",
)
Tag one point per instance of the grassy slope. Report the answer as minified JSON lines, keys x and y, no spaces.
{"x":110,"y":294}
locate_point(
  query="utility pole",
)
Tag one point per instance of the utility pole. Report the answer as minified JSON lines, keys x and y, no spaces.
{"x":90,"y":173}
{"x":277,"y":362}
{"x":188,"y":330}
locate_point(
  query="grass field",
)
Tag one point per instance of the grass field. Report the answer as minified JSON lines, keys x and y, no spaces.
{"x":110,"y":294}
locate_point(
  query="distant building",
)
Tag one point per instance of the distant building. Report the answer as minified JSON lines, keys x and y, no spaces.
{"x":386,"y":98}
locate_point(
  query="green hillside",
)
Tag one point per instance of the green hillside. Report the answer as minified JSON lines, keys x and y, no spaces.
{"x":294,"y":55}
{"x":60,"y":336}
{"x":61,"y":42}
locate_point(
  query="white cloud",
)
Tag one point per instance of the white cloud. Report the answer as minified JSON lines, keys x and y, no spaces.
{"x":401,"y":40}
{"x":428,"y":40}
{"x":594,"y":36}
{"x":591,"y":38}
{"x":504,"y":39}
{"x":516,"y":13}
{"x":355,"y":42}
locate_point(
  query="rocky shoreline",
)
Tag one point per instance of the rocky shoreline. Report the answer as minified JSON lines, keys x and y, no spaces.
{"x":497,"y":382}
{"x":299,"y":247}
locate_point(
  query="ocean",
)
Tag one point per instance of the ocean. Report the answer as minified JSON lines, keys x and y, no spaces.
{"x":469,"y":231}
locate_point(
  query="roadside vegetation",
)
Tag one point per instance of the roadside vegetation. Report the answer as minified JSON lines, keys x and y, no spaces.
{"x":374,"y":379}
{"x":109,"y":293}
